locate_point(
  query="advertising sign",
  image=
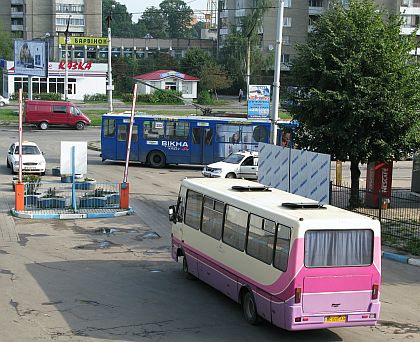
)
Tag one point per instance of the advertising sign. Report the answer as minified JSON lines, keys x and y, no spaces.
{"x":80,"y":158}
{"x":259,"y":102}
{"x":89,"y":41}
{"x":31,"y":58}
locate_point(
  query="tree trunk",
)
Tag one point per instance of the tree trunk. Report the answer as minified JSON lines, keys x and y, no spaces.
{"x":355,"y":176}
{"x":215,"y":93}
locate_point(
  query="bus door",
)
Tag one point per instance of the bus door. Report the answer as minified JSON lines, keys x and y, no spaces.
{"x":202,"y":145}
{"x":122,"y":140}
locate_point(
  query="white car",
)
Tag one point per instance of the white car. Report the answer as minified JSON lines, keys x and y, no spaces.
{"x":236,"y":165}
{"x":33,"y":160}
{"x":3,"y":101}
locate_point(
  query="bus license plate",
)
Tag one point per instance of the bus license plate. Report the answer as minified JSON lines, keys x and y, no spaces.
{"x":334,"y":319}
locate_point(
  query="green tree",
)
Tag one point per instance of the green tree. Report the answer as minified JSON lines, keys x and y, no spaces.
{"x":178,"y":16}
{"x":359,"y":93}
{"x":154,"y":22}
{"x":214,"y":78}
{"x":194,"y":61}
{"x":122,"y":23}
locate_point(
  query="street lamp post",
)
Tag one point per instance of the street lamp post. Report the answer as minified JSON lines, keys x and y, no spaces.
{"x":109,"y":85}
{"x":66,"y":70}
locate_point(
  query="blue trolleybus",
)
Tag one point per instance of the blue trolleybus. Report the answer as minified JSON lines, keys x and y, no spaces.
{"x":159,"y":140}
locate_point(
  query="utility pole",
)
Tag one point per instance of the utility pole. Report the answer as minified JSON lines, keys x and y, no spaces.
{"x":277,"y":66}
{"x":66,"y":69}
{"x":109,"y":85}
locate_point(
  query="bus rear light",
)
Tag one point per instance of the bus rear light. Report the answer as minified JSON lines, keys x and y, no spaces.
{"x":375,"y":291}
{"x":298,"y":294}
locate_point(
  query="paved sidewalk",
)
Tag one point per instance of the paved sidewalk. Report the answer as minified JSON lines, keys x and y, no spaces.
{"x":8,"y":232}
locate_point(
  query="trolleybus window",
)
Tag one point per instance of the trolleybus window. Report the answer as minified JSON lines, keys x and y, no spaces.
{"x":122,"y":132}
{"x":153,"y":129}
{"x":333,"y":248}
{"x":260,"y":238}
{"x":234,"y":230}
{"x":212,"y":218}
{"x":193,"y":209}
{"x":282,"y":247}
{"x":177,"y":130}
{"x":109,"y":128}
{"x":135,"y":134}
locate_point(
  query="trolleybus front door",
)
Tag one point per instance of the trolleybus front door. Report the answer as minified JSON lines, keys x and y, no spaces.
{"x":202,"y":145}
{"x":122,"y":140}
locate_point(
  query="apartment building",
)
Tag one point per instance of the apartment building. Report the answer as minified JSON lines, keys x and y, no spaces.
{"x":299,"y":16}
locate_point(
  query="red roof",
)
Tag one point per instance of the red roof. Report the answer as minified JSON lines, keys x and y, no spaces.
{"x":162,"y":74}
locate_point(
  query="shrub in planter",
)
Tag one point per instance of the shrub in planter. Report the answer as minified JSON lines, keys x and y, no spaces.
{"x":85,"y":184}
{"x":51,"y":200}
{"x":99,"y":198}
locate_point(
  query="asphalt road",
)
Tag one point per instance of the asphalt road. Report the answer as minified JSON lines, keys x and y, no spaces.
{"x":114,"y":280}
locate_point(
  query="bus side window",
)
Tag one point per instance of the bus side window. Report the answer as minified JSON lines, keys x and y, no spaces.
{"x":193,"y":209}
{"x":122,"y":132}
{"x":212,"y":218}
{"x":282,"y":247}
{"x":209,"y":136}
{"x":109,"y":128}
{"x":235,"y":225}
{"x":260,"y":239}
{"x":135,"y":134}
{"x":177,"y":130}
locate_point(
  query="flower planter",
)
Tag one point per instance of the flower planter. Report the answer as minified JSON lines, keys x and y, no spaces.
{"x":32,"y":199}
{"x":51,"y":202}
{"x":113,"y":199}
{"x":85,"y":185}
{"x":93,"y":202}
{"x":66,"y":179}
{"x":56,"y":171}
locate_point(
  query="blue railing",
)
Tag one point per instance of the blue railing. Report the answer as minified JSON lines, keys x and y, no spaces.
{"x":86,"y":195}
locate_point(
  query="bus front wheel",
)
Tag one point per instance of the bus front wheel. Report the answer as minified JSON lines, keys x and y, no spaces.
{"x":157,"y":159}
{"x":250,"y":308}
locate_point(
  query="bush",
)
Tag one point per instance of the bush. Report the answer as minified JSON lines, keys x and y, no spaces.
{"x":39,"y":96}
{"x":95,"y":98}
{"x":204,"y":98}
{"x":162,"y":97}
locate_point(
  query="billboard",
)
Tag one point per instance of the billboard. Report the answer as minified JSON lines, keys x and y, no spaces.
{"x":31,"y":58}
{"x":259,"y":102}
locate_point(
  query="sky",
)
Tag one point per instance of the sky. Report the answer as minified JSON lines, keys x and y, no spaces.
{"x":136,"y":6}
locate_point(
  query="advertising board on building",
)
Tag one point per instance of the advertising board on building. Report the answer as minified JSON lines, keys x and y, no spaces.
{"x":88,"y":41}
{"x":259,"y":102}
{"x":31,"y":58}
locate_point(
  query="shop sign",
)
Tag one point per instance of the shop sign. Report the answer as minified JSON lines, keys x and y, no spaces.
{"x":75,"y":65}
{"x":90,"y":41}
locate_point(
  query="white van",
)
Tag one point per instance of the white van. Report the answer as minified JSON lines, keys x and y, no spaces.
{"x":243,"y":164}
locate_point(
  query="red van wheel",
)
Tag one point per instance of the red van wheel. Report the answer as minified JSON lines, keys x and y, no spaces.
{"x":43,"y":125}
{"x":80,"y":125}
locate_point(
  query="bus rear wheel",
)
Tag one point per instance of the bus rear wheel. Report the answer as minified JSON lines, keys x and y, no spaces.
{"x":187,"y":273}
{"x":249,"y":308}
{"x":157,"y":159}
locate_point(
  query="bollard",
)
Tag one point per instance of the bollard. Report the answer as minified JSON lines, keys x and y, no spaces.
{"x":20,"y":197}
{"x":124,"y":196}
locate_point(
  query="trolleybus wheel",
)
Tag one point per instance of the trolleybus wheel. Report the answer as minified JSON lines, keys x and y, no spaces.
{"x":157,"y":159}
{"x":230,"y":175}
{"x":250,"y":309}
{"x":187,"y":273}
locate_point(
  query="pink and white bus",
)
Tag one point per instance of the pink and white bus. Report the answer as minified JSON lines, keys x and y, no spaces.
{"x":292,"y":261}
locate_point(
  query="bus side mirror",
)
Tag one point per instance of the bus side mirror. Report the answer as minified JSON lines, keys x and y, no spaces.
{"x":172,"y":216}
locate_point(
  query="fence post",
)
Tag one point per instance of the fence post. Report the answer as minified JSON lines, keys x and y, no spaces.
{"x":380,"y":205}
{"x":331,"y":185}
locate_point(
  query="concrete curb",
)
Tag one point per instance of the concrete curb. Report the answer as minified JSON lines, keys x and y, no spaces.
{"x":401,"y":258}
{"x":71,"y":216}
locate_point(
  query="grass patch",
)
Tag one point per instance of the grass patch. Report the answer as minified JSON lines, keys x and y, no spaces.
{"x":9,"y":115}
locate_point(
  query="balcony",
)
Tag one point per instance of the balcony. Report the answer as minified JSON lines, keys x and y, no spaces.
{"x":224,"y":14}
{"x":17,"y":28}
{"x":224,"y":31}
{"x":16,"y":2}
{"x":14,"y":15}
{"x":240,"y":12}
{"x":316,"y":10}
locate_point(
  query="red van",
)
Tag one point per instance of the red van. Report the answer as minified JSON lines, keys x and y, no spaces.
{"x":60,"y":113}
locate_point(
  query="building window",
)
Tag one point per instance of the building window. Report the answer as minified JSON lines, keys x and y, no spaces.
{"x":56,"y":85}
{"x":287,"y":22}
{"x":69,"y":8}
{"x":285,"y":58}
{"x":73,"y":21}
{"x":187,"y":87}
{"x":170,"y":85}
{"x":287,"y":3}
{"x":316,"y":3}
{"x":286,"y":40}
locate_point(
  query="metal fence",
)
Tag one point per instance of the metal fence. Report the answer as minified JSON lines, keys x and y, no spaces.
{"x":87,"y":195}
{"x":399,"y":214}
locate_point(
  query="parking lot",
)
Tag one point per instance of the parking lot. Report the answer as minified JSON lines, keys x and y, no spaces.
{"x":114,"y":279}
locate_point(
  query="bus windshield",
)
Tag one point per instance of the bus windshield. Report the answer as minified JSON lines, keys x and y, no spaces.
{"x":234,"y":158}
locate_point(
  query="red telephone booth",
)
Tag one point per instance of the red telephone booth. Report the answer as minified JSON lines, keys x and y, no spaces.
{"x":378,"y":180}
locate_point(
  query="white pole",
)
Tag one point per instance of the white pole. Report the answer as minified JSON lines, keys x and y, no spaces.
{"x":130,"y":133}
{"x":66,"y":67}
{"x":20,"y":134}
{"x":277,"y":66}
{"x":109,"y":86}
{"x":248,"y":66}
